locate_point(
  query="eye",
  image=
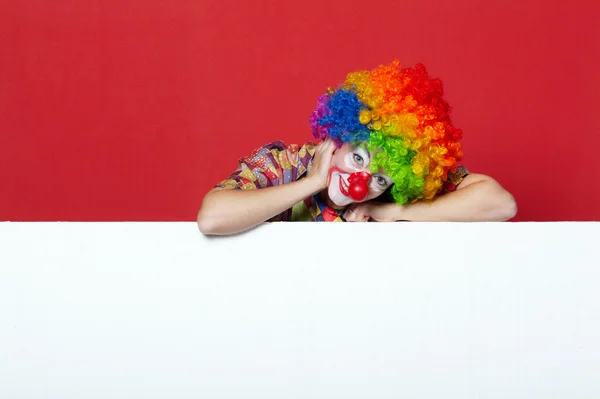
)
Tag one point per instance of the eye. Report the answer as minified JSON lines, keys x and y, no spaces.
{"x":380,"y":181}
{"x":358,"y":159}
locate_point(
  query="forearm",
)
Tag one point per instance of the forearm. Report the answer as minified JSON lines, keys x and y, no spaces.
{"x":481,"y":201}
{"x":232,"y":211}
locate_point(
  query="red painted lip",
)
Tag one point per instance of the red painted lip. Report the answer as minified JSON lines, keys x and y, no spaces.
{"x":334,"y":169}
{"x":342,"y":189}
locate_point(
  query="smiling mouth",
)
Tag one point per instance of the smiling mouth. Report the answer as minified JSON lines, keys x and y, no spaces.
{"x":343,"y":186}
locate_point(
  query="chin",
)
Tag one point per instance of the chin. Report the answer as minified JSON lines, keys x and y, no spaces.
{"x":345,"y":202}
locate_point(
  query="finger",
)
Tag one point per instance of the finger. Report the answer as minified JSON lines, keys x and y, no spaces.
{"x":331,"y":143}
{"x":320,"y":146}
{"x":349,"y":217}
{"x":362,"y":212}
{"x":350,"y":210}
{"x":356,"y":218}
{"x":361,"y":217}
{"x":329,"y":148}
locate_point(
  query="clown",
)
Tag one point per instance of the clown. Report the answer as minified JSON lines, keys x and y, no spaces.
{"x":389,"y":152}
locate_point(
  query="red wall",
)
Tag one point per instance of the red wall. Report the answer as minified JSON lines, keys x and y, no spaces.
{"x":133,"y":109}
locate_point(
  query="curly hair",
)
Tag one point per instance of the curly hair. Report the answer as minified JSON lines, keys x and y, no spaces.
{"x":401,"y":115}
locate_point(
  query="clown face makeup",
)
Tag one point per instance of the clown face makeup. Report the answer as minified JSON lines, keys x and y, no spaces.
{"x":351,"y":180}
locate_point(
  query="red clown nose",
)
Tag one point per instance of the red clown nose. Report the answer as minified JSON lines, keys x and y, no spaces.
{"x":359,"y":185}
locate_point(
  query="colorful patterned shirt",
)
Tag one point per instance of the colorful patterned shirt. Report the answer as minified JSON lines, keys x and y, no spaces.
{"x":275,"y":163}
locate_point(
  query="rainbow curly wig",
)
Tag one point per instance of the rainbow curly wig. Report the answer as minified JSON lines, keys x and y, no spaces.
{"x":402,"y":117}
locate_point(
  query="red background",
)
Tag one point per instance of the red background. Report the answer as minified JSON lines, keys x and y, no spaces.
{"x":132,"y":109}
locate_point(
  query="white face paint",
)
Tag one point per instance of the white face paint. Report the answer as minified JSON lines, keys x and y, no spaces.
{"x":347,"y":160}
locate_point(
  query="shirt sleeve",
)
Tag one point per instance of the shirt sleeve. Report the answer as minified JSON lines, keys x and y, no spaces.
{"x":454,"y":179}
{"x":270,"y":165}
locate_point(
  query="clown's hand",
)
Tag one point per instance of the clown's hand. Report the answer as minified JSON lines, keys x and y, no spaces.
{"x":321,"y":162}
{"x":379,"y":212}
